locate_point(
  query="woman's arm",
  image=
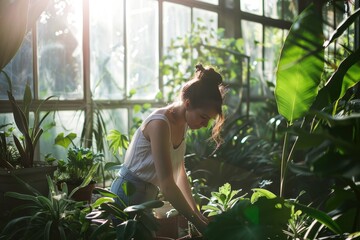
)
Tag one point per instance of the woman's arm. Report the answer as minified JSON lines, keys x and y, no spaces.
{"x":157,"y":131}
{"x":185,"y":188}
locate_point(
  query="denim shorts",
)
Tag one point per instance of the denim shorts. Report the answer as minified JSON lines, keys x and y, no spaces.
{"x":144,"y":191}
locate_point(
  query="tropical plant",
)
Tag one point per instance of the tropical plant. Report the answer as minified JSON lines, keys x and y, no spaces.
{"x":303,"y":48}
{"x":55,"y":216}
{"x":322,"y":115}
{"x":26,"y":144}
{"x":221,"y":201}
{"x":79,"y":163}
{"x":266,"y":216}
{"x":119,"y":221}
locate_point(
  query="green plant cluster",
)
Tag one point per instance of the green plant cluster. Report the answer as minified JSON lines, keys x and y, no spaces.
{"x":78,"y":164}
{"x":58,"y":216}
{"x":221,"y":201}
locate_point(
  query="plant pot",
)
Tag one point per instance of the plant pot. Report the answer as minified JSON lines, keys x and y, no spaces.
{"x":82,"y":194}
{"x":35,"y":177}
{"x":174,"y":226}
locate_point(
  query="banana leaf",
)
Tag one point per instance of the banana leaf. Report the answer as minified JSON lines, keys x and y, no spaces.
{"x":300,"y":66}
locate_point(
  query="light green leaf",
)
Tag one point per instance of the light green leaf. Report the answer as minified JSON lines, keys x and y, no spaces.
{"x":300,"y":66}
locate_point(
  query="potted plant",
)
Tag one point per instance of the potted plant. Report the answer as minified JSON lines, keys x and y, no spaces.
{"x":78,"y":165}
{"x":52,"y":216}
{"x":17,"y":156}
{"x":116,"y":220}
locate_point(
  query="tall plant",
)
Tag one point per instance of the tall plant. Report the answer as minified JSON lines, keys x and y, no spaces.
{"x":322,"y":115}
{"x":299,"y":76}
{"x":31,"y":133}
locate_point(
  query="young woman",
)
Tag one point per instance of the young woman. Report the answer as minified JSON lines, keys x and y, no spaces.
{"x":155,"y":158}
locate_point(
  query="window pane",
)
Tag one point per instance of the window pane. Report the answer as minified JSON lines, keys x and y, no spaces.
{"x":6,"y":118}
{"x":215,"y":2}
{"x":252,"y":6}
{"x":177,"y":22}
{"x":274,"y":38}
{"x":281,"y":9}
{"x":115,"y":119}
{"x":252,"y":34}
{"x":107,"y":49}
{"x":66,"y":122}
{"x":60,"y":63}
{"x":20,"y":71}
{"x":208,"y":18}
{"x":273,"y":8}
{"x":290,"y":9}
{"x":142,"y":48}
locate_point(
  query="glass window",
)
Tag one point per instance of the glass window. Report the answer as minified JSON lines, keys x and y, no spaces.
{"x":19,"y":70}
{"x":107,"y":50}
{"x":209,"y":18}
{"x":252,"y":34}
{"x":176,"y":22}
{"x":274,"y":38}
{"x":280,"y":9}
{"x":66,"y":122}
{"x":142,"y":48}
{"x":290,"y":9}
{"x":60,"y":64}
{"x":206,"y":19}
{"x":252,"y":6}
{"x":273,"y":8}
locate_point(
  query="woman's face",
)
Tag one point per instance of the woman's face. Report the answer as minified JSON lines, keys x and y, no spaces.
{"x":199,"y":117}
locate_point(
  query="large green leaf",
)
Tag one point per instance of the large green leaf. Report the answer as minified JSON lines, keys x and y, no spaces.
{"x":300,"y":66}
{"x":345,"y":77}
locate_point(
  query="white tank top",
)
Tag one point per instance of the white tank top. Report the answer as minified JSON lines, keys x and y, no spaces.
{"x":139,"y":159}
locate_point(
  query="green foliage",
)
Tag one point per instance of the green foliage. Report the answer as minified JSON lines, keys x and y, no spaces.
{"x":132,"y":222}
{"x":267,"y":216}
{"x":300,"y":66}
{"x":221,"y":201}
{"x":78,"y":164}
{"x":118,"y":142}
{"x":9,"y":156}
{"x":324,"y":120}
{"x":56,"y":216}
{"x":31,"y":133}
{"x":262,"y":217}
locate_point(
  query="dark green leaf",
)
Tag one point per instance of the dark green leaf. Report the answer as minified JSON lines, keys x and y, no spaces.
{"x":343,"y":26}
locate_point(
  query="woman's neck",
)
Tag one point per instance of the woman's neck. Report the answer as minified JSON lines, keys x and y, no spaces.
{"x":176,"y":112}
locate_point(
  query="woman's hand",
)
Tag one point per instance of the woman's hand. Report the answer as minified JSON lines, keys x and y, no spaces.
{"x":199,"y":221}
{"x":202,"y":217}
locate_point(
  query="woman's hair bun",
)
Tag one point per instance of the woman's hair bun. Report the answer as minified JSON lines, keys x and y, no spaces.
{"x":199,"y":67}
{"x":208,"y":74}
